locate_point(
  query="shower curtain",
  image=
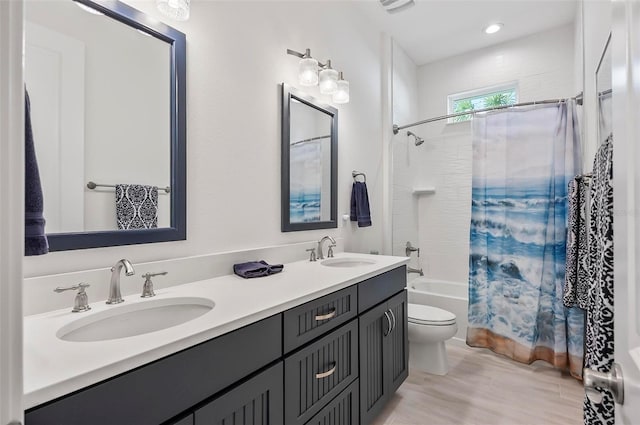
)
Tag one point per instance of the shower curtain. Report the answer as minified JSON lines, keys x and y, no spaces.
{"x":522,"y":162}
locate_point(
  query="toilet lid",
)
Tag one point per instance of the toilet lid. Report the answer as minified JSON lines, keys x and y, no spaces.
{"x":428,"y":315}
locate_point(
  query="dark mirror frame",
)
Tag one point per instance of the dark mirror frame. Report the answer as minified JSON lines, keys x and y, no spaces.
{"x":287,"y":94}
{"x":178,"y":230}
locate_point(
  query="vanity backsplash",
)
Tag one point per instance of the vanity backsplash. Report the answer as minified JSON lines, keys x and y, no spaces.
{"x":39,"y":295}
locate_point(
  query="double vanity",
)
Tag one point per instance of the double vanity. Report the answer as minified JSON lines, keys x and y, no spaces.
{"x":319,"y":343}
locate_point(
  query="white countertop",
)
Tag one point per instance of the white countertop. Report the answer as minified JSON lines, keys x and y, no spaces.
{"x":53,"y":367}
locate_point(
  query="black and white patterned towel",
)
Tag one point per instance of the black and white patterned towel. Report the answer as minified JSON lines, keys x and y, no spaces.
{"x":576,"y":288}
{"x":599,"y":342}
{"x":136,"y":206}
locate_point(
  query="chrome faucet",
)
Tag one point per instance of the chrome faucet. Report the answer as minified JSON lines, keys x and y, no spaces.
{"x":320,"y":242}
{"x":115,"y":297}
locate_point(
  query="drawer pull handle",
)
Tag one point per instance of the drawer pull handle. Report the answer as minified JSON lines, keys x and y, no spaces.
{"x":329,"y":315}
{"x":327,"y":373}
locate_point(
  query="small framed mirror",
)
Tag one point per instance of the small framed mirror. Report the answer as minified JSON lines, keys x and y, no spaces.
{"x":309,"y":162}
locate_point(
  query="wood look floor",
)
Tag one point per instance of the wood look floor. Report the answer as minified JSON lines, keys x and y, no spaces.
{"x":485,"y":388}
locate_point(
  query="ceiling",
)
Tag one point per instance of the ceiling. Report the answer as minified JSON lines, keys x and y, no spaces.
{"x":435,"y":29}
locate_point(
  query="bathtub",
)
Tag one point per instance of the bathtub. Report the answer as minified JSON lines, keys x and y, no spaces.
{"x":450,"y":296}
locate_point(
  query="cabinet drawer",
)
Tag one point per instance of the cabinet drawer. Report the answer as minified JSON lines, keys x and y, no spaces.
{"x":377,"y":289}
{"x":257,"y":401}
{"x":319,"y":372}
{"x":310,"y":320}
{"x":342,"y":410}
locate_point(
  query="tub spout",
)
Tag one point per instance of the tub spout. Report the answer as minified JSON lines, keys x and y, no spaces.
{"x":412,"y":270}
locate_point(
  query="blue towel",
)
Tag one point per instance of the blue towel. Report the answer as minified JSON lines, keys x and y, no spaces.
{"x":256,"y":269}
{"x":360,"y":211}
{"x":35,"y":239}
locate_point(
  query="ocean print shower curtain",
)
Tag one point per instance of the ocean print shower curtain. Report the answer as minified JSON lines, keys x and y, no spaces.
{"x":523,"y":160}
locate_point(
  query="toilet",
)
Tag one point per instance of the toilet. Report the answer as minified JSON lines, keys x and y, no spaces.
{"x":429,"y":328}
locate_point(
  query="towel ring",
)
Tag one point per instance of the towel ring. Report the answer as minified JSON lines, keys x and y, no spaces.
{"x":355,"y":174}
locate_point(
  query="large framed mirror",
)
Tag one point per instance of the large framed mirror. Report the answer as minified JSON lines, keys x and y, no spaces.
{"x":107,"y":86}
{"x":309,"y":162}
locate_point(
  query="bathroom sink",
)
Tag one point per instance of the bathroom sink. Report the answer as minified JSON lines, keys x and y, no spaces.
{"x":131,"y":319}
{"x":347,"y":262}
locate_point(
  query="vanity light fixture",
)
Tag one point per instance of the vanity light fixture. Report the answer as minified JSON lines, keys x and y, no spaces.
{"x":308,"y":70}
{"x":493,"y":28}
{"x":88,"y":8}
{"x":329,"y":80}
{"x":174,"y":9}
{"x":341,"y":94}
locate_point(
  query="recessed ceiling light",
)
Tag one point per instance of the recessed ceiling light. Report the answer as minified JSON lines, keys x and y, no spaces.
{"x":493,"y":28}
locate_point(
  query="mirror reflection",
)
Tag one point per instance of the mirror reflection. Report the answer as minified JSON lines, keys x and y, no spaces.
{"x":309,"y":162}
{"x":100,"y":95}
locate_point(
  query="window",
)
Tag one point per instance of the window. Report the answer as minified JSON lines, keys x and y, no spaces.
{"x":487,"y":97}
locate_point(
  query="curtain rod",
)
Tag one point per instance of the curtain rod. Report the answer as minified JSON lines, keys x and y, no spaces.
{"x":397,"y":128}
{"x":313,"y":139}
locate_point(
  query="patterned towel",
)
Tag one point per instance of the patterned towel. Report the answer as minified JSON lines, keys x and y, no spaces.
{"x":576,"y":287}
{"x":136,"y":206}
{"x":599,"y":333}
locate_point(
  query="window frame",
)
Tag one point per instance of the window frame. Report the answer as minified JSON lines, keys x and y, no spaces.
{"x":479,"y":92}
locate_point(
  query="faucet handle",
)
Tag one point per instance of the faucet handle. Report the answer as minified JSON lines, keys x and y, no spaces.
{"x":330,"y":251}
{"x":147,"y":288}
{"x":312,"y":256}
{"x":81,"y":302}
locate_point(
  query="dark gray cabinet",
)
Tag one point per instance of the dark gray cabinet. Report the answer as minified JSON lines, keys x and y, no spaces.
{"x":187,"y":420}
{"x":319,"y":372}
{"x":310,"y":320}
{"x":384,"y":354}
{"x":342,"y":410}
{"x":257,"y":401}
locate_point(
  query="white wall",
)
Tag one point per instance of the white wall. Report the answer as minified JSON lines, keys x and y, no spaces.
{"x":405,"y":110}
{"x":542,"y":65}
{"x":594,"y":22}
{"x":236,"y":58}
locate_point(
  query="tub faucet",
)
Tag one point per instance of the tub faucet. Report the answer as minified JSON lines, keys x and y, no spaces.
{"x":320,"y":242}
{"x":412,"y":270}
{"x":115,"y":297}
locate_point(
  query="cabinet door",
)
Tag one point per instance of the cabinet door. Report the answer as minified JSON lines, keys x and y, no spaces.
{"x":258,"y":401}
{"x":374,"y":330}
{"x":398,"y":362}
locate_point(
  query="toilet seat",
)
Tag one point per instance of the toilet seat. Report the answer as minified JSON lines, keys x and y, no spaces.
{"x":428,"y":315}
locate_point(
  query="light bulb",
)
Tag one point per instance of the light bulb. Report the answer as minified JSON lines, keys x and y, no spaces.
{"x":493,"y":28}
{"x":341,"y":94}
{"x":175,"y":9}
{"x":328,"y":79}
{"x":308,"y":72}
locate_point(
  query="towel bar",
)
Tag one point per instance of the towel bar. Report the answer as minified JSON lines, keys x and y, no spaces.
{"x":92,"y":185}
